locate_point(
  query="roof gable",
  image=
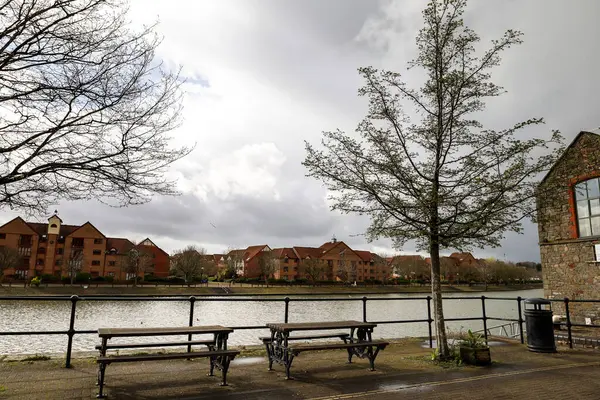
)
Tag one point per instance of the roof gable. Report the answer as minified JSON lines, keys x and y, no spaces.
{"x":87,"y":225}
{"x":19,"y":223}
{"x":253,"y":251}
{"x":562,"y":156}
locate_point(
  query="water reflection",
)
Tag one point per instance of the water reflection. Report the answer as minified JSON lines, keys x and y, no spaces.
{"x":91,"y":315}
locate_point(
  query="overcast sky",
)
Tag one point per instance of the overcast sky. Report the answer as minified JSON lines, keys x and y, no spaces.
{"x":265,"y":75}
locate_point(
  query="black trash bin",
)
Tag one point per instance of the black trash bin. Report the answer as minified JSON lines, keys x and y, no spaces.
{"x":540,"y":330}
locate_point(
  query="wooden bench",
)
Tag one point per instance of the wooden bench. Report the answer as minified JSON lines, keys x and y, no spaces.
{"x":362,"y":345}
{"x":220,"y":357}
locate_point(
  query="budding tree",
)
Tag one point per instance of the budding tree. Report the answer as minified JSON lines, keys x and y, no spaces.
{"x":190,"y":263}
{"x":84,"y":107}
{"x":9,"y":259}
{"x":441,"y":180}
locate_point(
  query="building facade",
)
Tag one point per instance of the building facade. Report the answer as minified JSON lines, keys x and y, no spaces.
{"x":59,"y":249}
{"x":569,"y":226}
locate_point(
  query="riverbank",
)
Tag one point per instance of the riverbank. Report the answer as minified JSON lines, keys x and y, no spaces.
{"x":244,"y":289}
{"x":404,"y":370}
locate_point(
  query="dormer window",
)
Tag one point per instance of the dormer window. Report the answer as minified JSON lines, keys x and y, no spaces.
{"x":53,"y":226}
{"x":587,"y":195}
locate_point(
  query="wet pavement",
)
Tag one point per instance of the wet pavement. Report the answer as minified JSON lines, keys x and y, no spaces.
{"x":403,"y":371}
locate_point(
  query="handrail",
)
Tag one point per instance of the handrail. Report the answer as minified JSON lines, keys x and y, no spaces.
{"x":305,"y":297}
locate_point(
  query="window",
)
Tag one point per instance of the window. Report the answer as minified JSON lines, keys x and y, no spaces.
{"x":330,"y":263}
{"x":111,"y":273}
{"x":53,"y":226}
{"x":97,"y":252}
{"x":112,"y":263}
{"x":95,"y":262}
{"x":587,"y":195}
{"x":285,"y":269}
{"x":44,"y":239}
{"x":60,"y":251}
{"x":130,"y":275}
{"x":58,"y":262}
{"x":286,"y":259}
{"x":42,"y":250}
{"x":285,"y":277}
{"x":78,"y":242}
{"x":21,"y":273}
{"x":2,"y":235}
{"x":97,"y":241}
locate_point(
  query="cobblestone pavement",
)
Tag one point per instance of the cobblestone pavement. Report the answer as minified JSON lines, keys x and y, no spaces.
{"x":403,"y":371}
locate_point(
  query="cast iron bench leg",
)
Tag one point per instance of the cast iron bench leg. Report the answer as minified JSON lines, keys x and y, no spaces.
{"x":372,"y":356}
{"x":212,"y":366}
{"x":288,"y":364}
{"x":225,"y":364}
{"x":269,"y":354}
{"x":101,"y":371}
{"x":350,"y":354}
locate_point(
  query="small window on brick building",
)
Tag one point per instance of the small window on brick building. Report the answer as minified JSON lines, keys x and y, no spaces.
{"x":95,"y":262}
{"x":60,"y":250}
{"x":2,"y":235}
{"x":97,"y":241}
{"x":112,"y":263}
{"x":97,"y":252}
{"x":587,"y":196}
{"x":58,"y":262}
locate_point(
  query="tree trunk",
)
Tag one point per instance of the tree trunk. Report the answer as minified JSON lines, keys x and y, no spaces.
{"x":436,"y":294}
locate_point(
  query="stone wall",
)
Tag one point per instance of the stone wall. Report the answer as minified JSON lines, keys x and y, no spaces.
{"x":568,"y":262}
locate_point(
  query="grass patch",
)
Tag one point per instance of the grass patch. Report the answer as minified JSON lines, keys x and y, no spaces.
{"x":2,"y":389}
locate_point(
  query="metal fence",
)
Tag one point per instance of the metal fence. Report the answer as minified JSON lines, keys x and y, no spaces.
{"x":484,"y":317}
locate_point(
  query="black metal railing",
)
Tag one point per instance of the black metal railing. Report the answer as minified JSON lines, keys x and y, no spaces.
{"x":273,"y":297}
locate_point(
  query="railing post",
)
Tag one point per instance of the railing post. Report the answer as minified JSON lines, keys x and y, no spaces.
{"x":429,"y":321}
{"x":520,"y":319}
{"x":485,"y":332}
{"x":364,"y":300}
{"x":287,"y":309}
{"x":71,"y":331}
{"x":568,"y":322}
{"x":192,"y":302}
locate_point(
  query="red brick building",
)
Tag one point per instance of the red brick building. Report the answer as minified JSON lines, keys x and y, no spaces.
{"x":49,"y":249}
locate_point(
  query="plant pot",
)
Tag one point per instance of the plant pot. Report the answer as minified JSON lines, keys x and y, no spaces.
{"x":475,"y":356}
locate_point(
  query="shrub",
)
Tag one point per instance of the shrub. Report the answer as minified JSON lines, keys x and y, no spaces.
{"x":49,"y":278}
{"x":82,"y":277}
{"x":301,"y":281}
{"x":98,"y":279}
{"x":35,"y":281}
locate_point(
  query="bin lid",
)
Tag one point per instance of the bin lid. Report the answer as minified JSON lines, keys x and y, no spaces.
{"x":537,"y":301}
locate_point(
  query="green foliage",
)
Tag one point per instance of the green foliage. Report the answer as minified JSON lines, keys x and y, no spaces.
{"x":35,"y":281}
{"x":83,"y":277}
{"x":473,"y":340}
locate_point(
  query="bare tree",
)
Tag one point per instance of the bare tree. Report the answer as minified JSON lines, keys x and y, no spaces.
{"x":74,"y":264}
{"x":9,"y":259}
{"x":268,"y":264}
{"x":189,"y":263}
{"x":314,"y":268}
{"x":136,"y":262}
{"x":234,"y":262}
{"x":85,"y":108}
{"x":444,"y":181}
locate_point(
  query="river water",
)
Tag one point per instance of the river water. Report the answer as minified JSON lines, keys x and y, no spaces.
{"x":91,"y":315}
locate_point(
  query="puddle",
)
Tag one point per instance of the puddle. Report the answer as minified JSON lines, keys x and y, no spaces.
{"x":249,"y":360}
{"x":491,"y":343}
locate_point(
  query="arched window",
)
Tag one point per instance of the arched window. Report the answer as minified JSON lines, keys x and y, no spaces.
{"x":53,"y":226}
{"x":587,"y":196}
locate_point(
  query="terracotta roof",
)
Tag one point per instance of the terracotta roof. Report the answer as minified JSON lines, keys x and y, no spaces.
{"x":328,"y":246}
{"x":218,"y":257}
{"x":119,"y":244}
{"x":461,"y":256}
{"x":236,"y":253}
{"x":410,"y":257}
{"x":364,"y":255}
{"x":284,"y":252}
{"x":252,"y":251}
{"x":312,"y":252}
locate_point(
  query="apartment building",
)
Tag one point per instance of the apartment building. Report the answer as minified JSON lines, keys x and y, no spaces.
{"x":333,"y":260}
{"x":56,"y":248}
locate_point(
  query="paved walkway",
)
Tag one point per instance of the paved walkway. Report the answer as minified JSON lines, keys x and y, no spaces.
{"x":403,"y":371}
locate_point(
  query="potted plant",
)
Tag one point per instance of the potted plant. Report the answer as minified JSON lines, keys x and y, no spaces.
{"x":474,"y":350}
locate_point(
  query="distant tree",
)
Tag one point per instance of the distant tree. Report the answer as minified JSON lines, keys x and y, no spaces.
{"x":9,"y":259}
{"x":314,"y":269}
{"x":190,"y":263}
{"x":443,"y":181}
{"x":234,"y":262}
{"x":136,"y":262}
{"x":86,"y":107}
{"x":268,"y":264}
{"x":74,"y":264}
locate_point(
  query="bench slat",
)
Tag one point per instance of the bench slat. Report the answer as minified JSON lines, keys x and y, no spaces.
{"x":322,"y":336}
{"x":166,"y":356}
{"x":331,"y":346}
{"x":163,"y":344}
